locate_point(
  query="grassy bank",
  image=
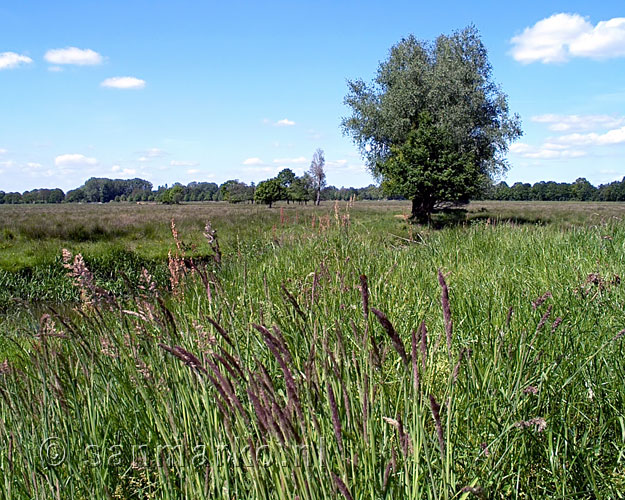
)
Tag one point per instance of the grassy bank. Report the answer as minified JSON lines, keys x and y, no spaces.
{"x":280,"y":381}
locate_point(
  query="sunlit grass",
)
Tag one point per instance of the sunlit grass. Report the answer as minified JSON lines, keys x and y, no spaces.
{"x":533,"y":410}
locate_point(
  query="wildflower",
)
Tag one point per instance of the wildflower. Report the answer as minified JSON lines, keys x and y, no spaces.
{"x":5,"y":367}
{"x":539,"y":422}
{"x":107,"y":348}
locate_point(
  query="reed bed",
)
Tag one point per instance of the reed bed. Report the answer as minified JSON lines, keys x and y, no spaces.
{"x":336,"y":361}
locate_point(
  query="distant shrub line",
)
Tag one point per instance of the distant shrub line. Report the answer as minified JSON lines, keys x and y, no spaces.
{"x":103,"y":190}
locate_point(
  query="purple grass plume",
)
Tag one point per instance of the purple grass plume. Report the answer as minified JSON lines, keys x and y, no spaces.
{"x":446,"y":310}
{"x":364,"y":293}
{"x":336,"y":422}
{"x":436,"y":413}
{"x":342,"y":487}
{"x":388,"y":327}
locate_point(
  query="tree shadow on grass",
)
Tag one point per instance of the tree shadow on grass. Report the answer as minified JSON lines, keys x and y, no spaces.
{"x":518,"y":220}
{"x":452,"y":217}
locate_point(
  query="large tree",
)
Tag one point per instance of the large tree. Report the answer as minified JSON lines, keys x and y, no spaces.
{"x":269,"y":191}
{"x":286,"y":177}
{"x":432,"y":126}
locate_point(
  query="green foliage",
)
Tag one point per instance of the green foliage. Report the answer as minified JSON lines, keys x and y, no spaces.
{"x":428,"y":168}
{"x":286,"y":177}
{"x":172,"y":196}
{"x":235,"y":191}
{"x":580,"y":190}
{"x":301,"y":189}
{"x":270,"y":191}
{"x":448,"y":82}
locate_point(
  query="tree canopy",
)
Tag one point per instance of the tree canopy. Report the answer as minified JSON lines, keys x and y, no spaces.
{"x":269,"y":191}
{"x":431,"y":113}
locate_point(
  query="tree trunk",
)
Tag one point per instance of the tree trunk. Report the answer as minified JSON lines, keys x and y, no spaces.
{"x":422,"y":210}
{"x":318,"y":198}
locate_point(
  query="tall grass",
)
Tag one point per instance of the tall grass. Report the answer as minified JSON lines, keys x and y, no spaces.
{"x":335,"y":363}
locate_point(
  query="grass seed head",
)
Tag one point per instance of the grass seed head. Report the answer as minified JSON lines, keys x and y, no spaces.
{"x":436,"y":413}
{"x":446,"y":310}
{"x":390,"y":330}
{"x":342,"y":487}
{"x":364,"y":294}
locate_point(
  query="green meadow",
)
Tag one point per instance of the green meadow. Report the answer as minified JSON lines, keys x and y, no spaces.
{"x":312,"y":352}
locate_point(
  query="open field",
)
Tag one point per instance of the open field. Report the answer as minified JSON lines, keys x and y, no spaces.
{"x":282,"y":372}
{"x":120,"y":239}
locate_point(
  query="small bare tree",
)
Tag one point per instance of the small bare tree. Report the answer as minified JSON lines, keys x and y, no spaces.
{"x":317,"y":173}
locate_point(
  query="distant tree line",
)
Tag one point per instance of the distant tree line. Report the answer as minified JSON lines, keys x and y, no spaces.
{"x":286,"y":186}
{"x":580,"y":190}
{"x":291,"y":188}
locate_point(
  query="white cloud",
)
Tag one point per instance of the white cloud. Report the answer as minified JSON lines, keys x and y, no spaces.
{"x":520,"y":148}
{"x":3,"y":151}
{"x":118,"y":170}
{"x":253,"y":162}
{"x":562,"y":36}
{"x":7,"y":163}
{"x":74,"y":160}
{"x":285,"y":122}
{"x":606,"y":40}
{"x":9,"y":60}
{"x":565,"y":123}
{"x":32,"y":164}
{"x":552,"y":145}
{"x":193,"y":171}
{"x":614,"y":136}
{"x":73,"y":55}
{"x":548,"y":151}
{"x":336,"y":163}
{"x":123,"y":82}
{"x":178,"y":163}
{"x":152,"y":153}
{"x":55,"y":69}
{"x":551,"y":154}
{"x":291,"y":161}
{"x":260,"y":172}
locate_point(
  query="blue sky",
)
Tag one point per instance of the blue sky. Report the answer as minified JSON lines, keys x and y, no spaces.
{"x":211,"y":91}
